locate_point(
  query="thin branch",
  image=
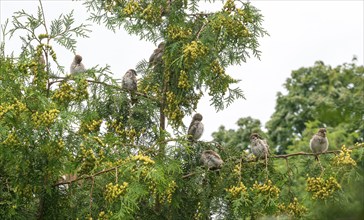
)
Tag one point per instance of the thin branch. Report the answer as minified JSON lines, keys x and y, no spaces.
{"x":188,"y":175}
{"x":193,"y":173}
{"x":201,"y":29}
{"x":86,"y":177}
{"x":200,"y":14}
{"x":304,"y":153}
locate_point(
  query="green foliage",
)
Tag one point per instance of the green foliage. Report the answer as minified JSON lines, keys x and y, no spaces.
{"x":329,"y":97}
{"x":199,"y":46}
{"x":238,"y":140}
{"x":76,"y":147}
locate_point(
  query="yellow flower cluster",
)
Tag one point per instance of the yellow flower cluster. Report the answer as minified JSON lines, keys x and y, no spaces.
{"x":64,"y":93}
{"x":98,"y":140}
{"x":131,"y":7}
{"x":93,"y":125}
{"x":152,"y":14}
{"x":229,"y":5}
{"x":267,"y":189}
{"x":178,"y":32}
{"x":293,"y":209}
{"x":183,"y":80}
{"x":89,"y":160}
{"x":344,"y":158}
{"x":151,"y":89}
{"x":233,"y":27}
{"x":114,"y":191}
{"x":139,"y":157}
{"x":49,"y":48}
{"x":59,"y":147}
{"x":105,"y":216}
{"x":198,"y":213}
{"x":170,"y":97}
{"x":237,"y":169}
{"x":116,"y":126}
{"x":216,"y":68}
{"x":81,"y":92}
{"x":46,"y":118}
{"x":321,"y":188}
{"x":170,"y":190}
{"x":17,"y":107}
{"x":11,"y":140}
{"x":235,"y":191}
{"x":192,"y":51}
{"x":173,"y":111}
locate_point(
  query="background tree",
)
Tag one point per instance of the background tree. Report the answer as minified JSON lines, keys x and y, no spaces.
{"x":317,"y":96}
{"x":238,"y":140}
{"x":330,"y":97}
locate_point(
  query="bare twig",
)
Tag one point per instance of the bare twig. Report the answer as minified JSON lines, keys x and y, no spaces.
{"x":86,"y":177}
{"x":200,"y":14}
{"x":188,"y":175}
{"x":304,"y":153}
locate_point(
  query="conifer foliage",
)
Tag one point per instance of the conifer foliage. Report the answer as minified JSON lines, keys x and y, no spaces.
{"x":75,"y":146}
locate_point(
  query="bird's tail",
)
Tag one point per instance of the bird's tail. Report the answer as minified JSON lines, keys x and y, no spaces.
{"x":317,"y":158}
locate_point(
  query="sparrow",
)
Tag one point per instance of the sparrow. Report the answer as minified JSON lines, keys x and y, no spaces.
{"x":259,"y":147}
{"x":211,"y":159}
{"x":319,"y":142}
{"x":195,"y":130}
{"x":77,"y":66}
{"x":156,"y":57}
{"x":130,"y":83}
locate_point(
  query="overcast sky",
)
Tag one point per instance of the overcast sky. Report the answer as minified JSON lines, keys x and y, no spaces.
{"x":301,"y":32}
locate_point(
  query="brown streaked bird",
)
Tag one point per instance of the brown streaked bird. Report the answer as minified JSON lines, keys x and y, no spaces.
{"x":211,"y":159}
{"x":77,"y":65}
{"x":319,"y":142}
{"x":195,"y":130}
{"x":130,"y":83}
{"x":259,"y":147}
{"x":156,"y":57}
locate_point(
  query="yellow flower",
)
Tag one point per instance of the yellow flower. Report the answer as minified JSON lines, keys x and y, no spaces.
{"x":267,"y":189}
{"x":114,"y":191}
{"x":145,"y":159}
{"x":235,"y":191}
{"x":344,"y":158}
{"x":192,"y":51}
{"x":321,"y":188}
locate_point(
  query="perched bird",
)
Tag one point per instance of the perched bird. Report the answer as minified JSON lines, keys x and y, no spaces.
{"x":259,"y":147}
{"x":319,"y":142}
{"x":130,"y":83}
{"x":77,"y":66}
{"x":156,"y":57}
{"x":211,"y":159}
{"x":196,"y":128}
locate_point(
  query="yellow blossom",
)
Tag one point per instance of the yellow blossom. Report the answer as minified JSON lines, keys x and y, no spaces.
{"x":267,"y":189}
{"x":321,"y":188}
{"x":344,"y":158}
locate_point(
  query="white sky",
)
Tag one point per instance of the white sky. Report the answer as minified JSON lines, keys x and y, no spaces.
{"x":301,"y":32}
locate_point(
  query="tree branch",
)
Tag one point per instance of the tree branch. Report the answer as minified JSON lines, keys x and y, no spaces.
{"x":304,"y":153}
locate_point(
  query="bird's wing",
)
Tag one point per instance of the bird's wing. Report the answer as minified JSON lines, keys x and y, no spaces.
{"x":192,"y":128}
{"x":152,"y":57}
{"x":266,"y":146}
{"x":134,"y":82}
